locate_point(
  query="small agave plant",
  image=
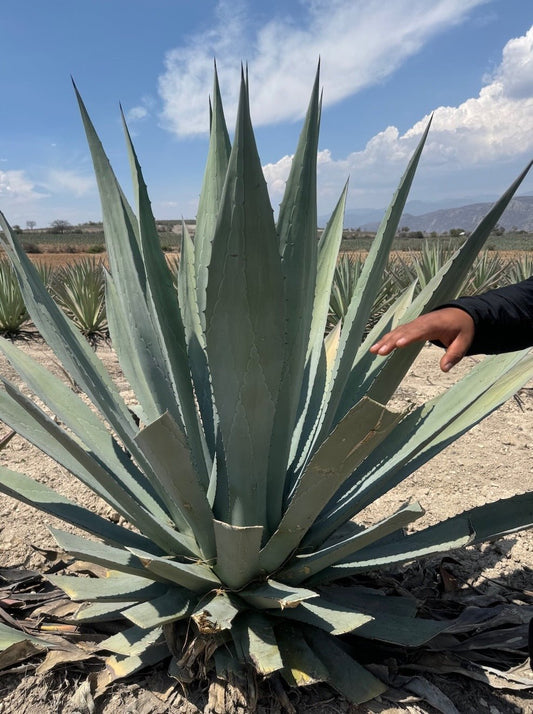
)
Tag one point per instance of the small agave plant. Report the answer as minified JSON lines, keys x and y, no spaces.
{"x":258,"y":441}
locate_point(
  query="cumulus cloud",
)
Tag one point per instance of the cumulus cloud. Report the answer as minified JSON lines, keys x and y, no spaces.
{"x":514,"y":77}
{"x":495,"y":124}
{"x":493,"y":127}
{"x":360,"y":42}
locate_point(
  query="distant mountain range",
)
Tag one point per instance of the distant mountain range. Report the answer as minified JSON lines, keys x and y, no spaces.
{"x":518,"y":215}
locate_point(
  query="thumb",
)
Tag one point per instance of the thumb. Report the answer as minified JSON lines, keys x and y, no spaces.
{"x":455,"y":352}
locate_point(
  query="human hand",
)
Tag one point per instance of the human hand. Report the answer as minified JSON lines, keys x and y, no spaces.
{"x":451,"y":326}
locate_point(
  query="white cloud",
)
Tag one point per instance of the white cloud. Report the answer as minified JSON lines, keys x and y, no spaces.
{"x":16,"y":187}
{"x":515,"y":74}
{"x":360,"y":42}
{"x":136,"y":114}
{"x":494,"y":125}
{"x":489,"y":130}
{"x":20,"y":197}
{"x":63,"y":180}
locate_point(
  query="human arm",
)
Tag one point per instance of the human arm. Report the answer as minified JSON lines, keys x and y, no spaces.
{"x":503,"y":318}
{"x":497,"y":321}
{"x":450,"y":326}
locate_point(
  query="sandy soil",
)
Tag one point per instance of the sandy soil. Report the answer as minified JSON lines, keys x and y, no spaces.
{"x":494,"y":460}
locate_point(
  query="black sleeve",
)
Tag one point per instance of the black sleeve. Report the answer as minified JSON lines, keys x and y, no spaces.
{"x":503,"y":318}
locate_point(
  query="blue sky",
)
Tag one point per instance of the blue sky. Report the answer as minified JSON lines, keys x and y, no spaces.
{"x":385,"y":67}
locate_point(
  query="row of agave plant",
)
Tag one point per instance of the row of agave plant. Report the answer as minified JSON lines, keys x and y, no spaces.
{"x":257,"y":441}
{"x":489,"y":270}
{"x":79,"y":287}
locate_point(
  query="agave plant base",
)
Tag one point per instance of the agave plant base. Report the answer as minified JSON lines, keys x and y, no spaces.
{"x":488,"y":645}
{"x":254,"y":443}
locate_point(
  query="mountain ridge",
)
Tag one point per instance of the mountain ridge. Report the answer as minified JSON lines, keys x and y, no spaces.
{"x":518,"y":216}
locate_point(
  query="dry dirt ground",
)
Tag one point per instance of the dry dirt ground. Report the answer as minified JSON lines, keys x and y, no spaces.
{"x":494,"y":460}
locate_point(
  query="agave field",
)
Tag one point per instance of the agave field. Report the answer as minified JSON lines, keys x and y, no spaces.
{"x":78,"y":285}
{"x":253,"y":445}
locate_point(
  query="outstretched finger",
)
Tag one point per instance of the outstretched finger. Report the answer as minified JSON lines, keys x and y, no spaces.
{"x":400,"y":337}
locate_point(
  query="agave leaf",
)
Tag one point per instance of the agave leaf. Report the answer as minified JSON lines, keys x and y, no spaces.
{"x":166,"y":448}
{"x":423,"y":433}
{"x":174,"y":604}
{"x":9,"y":636}
{"x":216,"y":612}
{"x":210,"y":196}
{"x":101,"y":554}
{"x":440,"y":538}
{"x":387,"y":373}
{"x":217,"y":492}
{"x":297,"y":230}
{"x":296,"y":224}
{"x":311,"y":412}
{"x":272,"y":594}
{"x":40,"y":496}
{"x":328,"y":616}
{"x":193,"y":576}
{"x":104,"y":611}
{"x":123,"y":243}
{"x":77,"y":416}
{"x":302,"y":666}
{"x":124,"y":344}
{"x":35,"y":425}
{"x":503,"y":389}
{"x":327,"y":260}
{"x":406,"y":631}
{"x":365,"y":363}
{"x":355,"y":437}
{"x":31,"y":422}
{"x":364,"y":295}
{"x":255,"y":642}
{"x":167,"y":319}
{"x":70,"y":347}
{"x":72,"y":350}
{"x":195,"y":337}
{"x":345,"y":674}
{"x":237,"y":553}
{"x":370,"y":601}
{"x":494,"y":520}
{"x":331,"y":346}
{"x":305,"y":565}
{"x":121,"y":667}
{"x":328,"y":254}
{"x":245,"y":326}
{"x":133,"y":641}
{"x":227,"y":666}
{"x":122,"y":587}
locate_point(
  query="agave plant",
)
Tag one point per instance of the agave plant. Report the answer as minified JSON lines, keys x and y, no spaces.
{"x":79,"y":288}
{"x":259,"y":442}
{"x":490,"y":270}
{"x":520,"y":268}
{"x":13,"y":313}
{"x":421,"y":266}
{"x":347,"y":273}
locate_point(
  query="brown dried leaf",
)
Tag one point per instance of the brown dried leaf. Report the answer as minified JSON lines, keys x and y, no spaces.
{"x":56,"y":658}
{"x":18,"y":652}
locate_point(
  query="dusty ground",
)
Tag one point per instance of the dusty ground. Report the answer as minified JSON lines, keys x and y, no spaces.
{"x":494,"y":460}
